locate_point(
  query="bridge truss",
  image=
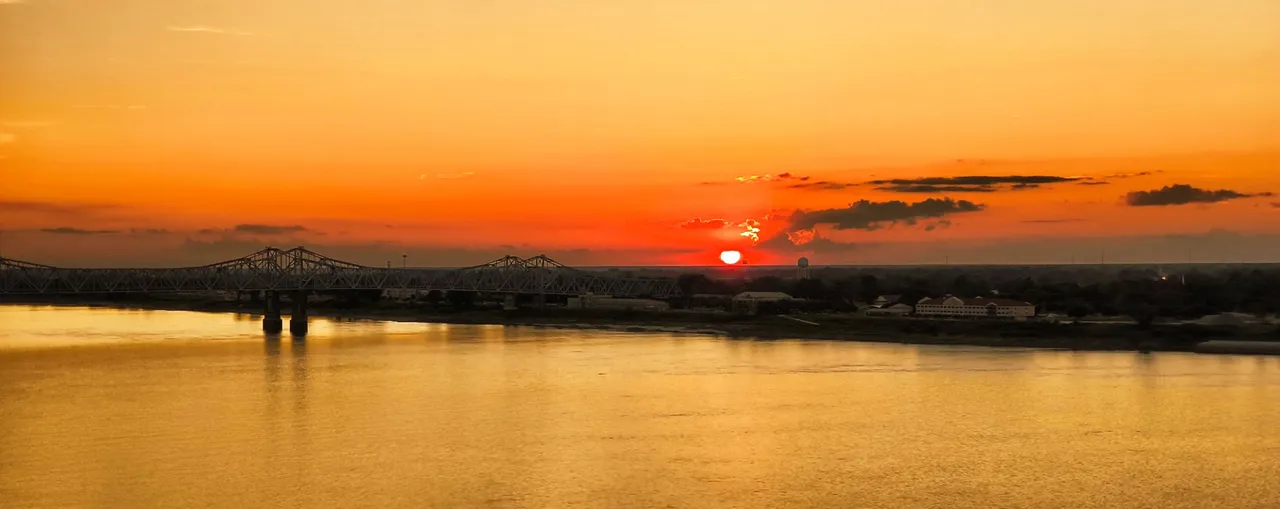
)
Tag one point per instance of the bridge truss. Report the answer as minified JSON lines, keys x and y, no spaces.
{"x":301,"y":269}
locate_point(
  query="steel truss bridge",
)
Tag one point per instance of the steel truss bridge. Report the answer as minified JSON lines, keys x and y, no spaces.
{"x":298,"y":269}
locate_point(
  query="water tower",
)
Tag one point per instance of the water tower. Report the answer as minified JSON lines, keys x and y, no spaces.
{"x":802,"y":268}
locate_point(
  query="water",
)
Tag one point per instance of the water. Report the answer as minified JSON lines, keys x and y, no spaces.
{"x":110,"y":408}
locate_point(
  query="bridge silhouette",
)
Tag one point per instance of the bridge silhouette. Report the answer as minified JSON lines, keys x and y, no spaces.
{"x":301,"y":271}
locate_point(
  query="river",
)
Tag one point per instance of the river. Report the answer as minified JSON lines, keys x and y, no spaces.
{"x":119,"y":408}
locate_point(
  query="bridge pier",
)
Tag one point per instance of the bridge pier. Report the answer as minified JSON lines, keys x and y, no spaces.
{"x":271,"y":321}
{"x":298,"y":320}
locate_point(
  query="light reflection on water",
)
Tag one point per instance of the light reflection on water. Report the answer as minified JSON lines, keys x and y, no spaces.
{"x":113,"y":408}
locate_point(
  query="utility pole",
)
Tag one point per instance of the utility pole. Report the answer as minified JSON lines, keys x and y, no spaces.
{"x":404,"y":261}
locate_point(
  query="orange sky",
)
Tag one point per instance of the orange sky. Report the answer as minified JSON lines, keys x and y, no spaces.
{"x":460,"y":130}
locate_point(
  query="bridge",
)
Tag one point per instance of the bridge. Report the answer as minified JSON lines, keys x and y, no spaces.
{"x":300,"y":271}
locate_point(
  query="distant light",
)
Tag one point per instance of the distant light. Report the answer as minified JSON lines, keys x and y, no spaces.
{"x":730,"y":257}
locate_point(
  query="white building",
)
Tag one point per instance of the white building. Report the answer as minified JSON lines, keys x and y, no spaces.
{"x":898,"y":309}
{"x":976,"y":307}
{"x":762,"y":296}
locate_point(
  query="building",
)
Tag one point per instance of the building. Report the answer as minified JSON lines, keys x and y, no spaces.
{"x":975,"y":307}
{"x":886,"y":300}
{"x":762,"y":297}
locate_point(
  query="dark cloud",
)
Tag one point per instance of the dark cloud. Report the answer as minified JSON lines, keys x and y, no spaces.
{"x":264,"y":229}
{"x":1131,"y":175}
{"x":1276,"y":204}
{"x":66,"y":230}
{"x":937,"y":225}
{"x":933,"y":189}
{"x":1095,"y":183}
{"x":969,"y":184}
{"x":707,"y":224}
{"x":1183,"y":194}
{"x":149,"y":231}
{"x":869,"y":215}
{"x":822,"y":185}
{"x":39,"y":207}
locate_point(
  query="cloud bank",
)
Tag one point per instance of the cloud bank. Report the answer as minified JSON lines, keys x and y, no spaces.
{"x":969,"y":184}
{"x":1183,"y":194}
{"x":869,"y":215}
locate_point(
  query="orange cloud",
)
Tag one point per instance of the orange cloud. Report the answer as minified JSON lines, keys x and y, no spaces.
{"x":708,"y":224}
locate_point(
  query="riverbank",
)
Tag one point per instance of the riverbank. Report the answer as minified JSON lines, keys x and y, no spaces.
{"x":840,"y":327}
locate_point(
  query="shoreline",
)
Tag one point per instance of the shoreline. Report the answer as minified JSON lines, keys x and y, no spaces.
{"x":1079,"y":337}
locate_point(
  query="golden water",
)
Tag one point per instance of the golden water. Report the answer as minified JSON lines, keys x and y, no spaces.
{"x":114,"y":408}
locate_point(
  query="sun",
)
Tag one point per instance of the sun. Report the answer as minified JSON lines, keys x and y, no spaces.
{"x":730,"y":257}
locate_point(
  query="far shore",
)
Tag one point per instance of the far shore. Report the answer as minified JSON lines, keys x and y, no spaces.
{"x":839,"y":327}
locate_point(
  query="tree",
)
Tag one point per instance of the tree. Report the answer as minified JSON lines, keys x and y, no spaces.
{"x":811,"y":289}
{"x":1078,"y":308}
{"x":1144,"y":314}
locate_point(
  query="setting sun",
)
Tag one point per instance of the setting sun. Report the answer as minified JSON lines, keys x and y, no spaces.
{"x":730,"y":257}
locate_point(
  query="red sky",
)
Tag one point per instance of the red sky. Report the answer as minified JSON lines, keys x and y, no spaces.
{"x":162,"y":133}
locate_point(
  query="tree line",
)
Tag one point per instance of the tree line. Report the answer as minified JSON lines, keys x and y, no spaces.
{"x":1142,"y":293}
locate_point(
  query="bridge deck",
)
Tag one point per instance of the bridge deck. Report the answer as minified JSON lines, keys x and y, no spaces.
{"x":301,"y":269}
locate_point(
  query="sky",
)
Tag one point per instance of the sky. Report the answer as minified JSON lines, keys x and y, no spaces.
{"x":640,"y":132}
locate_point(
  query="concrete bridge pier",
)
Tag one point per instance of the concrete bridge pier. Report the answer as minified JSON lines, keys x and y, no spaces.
{"x":298,"y":320}
{"x":271,"y":321}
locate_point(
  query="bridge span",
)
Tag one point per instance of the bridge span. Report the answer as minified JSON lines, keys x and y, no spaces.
{"x":300,"y":271}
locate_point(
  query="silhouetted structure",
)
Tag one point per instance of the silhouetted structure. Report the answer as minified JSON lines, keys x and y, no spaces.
{"x":301,"y":271}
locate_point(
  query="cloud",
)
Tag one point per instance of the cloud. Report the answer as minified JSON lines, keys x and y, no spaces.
{"x":707,"y":224}
{"x":1095,"y":183}
{"x":937,"y":225}
{"x":777,"y":215}
{"x":6,"y":138}
{"x":66,"y":230}
{"x":752,"y":230}
{"x":931,"y":189}
{"x":869,"y":215}
{"x":1275,"y":204}
{"x":263,"y":229}
{"x":1131,"y":175}
{"x":969,"y":184}
{"x":807,"y":241}
{"x":758,"y":179}
{"x":11,"y":2}
{"x":1183,"y":194}
{"x":207,"y":30}
{"x":822,"y":185}
{"x":40,"y":207}
{"x":149,"y":231}
{"x":751,"y":179}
